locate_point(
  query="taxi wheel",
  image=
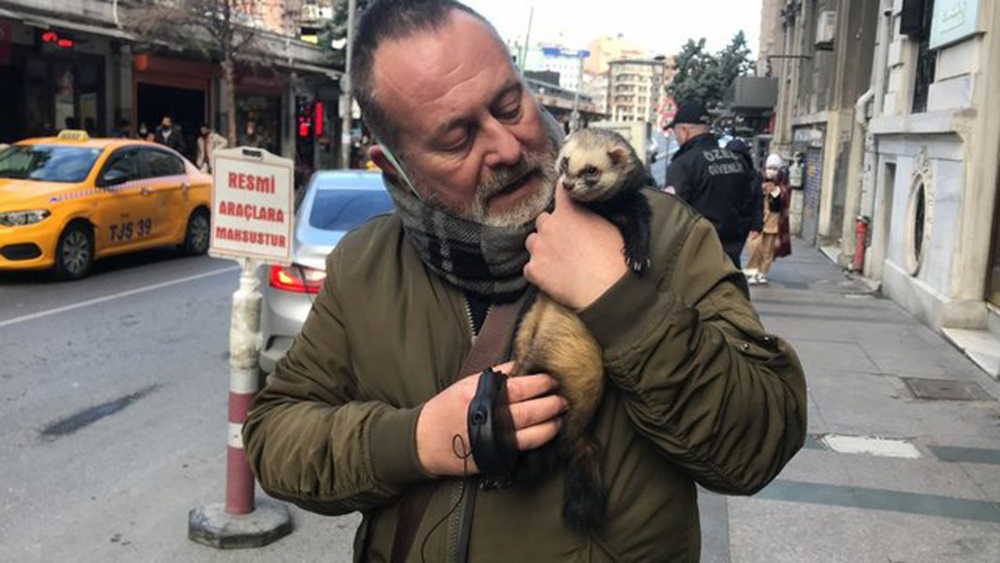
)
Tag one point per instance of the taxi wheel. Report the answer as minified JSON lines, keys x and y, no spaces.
{"x":75,"y":252}
{"x":198,"y":234}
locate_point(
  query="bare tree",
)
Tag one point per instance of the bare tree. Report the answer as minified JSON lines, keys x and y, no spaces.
{"x":227,"y":31}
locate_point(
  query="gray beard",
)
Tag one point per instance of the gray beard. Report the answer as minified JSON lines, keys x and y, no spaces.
{"x":525,"y":211}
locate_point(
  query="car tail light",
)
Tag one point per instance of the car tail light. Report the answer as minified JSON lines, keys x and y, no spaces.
{"x":297,"y":279}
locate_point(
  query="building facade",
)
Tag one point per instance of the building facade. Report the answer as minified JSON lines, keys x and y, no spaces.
{"x":636,"y":89}
{"x":897,"y":124}
{"x":76,"y":64}
{"x":568,"y":63}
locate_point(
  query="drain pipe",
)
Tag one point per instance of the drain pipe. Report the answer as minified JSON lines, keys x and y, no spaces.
{"x":878,"y":85}
{"x":114,"y":13}
{"x":852,"y":204}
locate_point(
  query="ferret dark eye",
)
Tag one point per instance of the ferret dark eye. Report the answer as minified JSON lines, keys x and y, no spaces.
{"x":563,"y":164}
{"x":590,"y":171}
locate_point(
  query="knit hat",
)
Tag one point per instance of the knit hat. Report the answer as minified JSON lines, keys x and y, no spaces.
{"x":774,"y":161}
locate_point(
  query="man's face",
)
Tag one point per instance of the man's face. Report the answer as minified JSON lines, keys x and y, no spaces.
{"x":470,"y":135}
{"x":167,"y":123}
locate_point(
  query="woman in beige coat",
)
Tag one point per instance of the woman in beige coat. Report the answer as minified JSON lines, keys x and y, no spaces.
{"x":764,"y":243}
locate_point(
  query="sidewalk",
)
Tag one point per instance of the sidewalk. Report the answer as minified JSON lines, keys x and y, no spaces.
{"x":931,"y":494}
{"x":936,"y":498}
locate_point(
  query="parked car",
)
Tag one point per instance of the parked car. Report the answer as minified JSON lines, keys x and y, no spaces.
{"x":331,"y":205}
{"x":68,"y":200}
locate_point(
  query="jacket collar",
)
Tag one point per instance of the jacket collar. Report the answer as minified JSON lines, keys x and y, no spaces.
{"x":705,"y":139}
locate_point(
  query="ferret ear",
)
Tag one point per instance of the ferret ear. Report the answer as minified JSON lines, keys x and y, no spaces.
{"x":618,"y":155}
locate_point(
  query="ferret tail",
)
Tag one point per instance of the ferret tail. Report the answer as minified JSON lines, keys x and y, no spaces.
{"x":585,"y":502}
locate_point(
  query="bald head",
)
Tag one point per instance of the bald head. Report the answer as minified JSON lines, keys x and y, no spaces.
{"x":391,"y":21}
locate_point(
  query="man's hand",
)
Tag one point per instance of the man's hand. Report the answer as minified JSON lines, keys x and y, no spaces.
{"x":576,"y":255}
{"x":534,"y":410}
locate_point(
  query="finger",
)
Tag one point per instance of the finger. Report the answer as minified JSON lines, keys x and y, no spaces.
{"x":541,"y":219}
{"x":536,"y":436}
{"x":530,"y":386}
{"x":530,"y":242}
{"x":536,"y":411}
{"x":562,"y":197}
{"x":505,"y":368}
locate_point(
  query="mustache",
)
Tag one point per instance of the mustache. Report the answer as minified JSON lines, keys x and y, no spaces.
{"x":503,"y":177}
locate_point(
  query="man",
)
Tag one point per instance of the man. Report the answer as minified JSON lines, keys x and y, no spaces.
{"x":208,"y":142}
{"x":369,"y":405}
{"x":252,"y":137}
{"x":752,"y":213}
{"x":713,"y":180}
{"x":170,"y":135}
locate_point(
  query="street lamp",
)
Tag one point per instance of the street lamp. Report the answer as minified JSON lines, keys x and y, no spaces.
{"x":574,"y":120}
{"x":345,"y":92}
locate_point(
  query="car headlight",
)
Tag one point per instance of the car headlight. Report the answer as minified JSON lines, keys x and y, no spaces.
{"x":18,"y":218}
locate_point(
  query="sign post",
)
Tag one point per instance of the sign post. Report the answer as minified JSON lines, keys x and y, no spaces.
{"x":252,"y":213}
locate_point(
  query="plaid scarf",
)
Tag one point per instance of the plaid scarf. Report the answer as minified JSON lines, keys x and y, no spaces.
{"x":488,"y":261}
{"x":485,"y":260}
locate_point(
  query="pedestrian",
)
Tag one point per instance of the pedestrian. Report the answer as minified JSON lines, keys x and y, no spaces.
{"x":369,"y":409}
{"x":208,"y":142}
{"x":170,"y":135}
{"x":765,"y":244}
{"x":751,"y":214}
{"x":252,"y":137}
{"x":145,"y":134}
{"x":711,"y":179}
{"x":123,"y":130}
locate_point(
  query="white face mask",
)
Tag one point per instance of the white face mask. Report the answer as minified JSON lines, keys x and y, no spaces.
{"x":771,"y":173}
{"x":399,"y":168}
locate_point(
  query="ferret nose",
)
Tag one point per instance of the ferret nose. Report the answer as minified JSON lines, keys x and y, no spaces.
{"x":568,"y":184}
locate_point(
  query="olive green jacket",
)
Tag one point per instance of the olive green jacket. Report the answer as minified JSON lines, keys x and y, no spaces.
{"x":700,"y":394}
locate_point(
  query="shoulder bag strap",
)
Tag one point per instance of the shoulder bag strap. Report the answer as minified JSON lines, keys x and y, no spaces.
{"x":490,"y":347}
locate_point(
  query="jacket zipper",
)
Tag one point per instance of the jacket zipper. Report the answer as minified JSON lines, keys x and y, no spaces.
{"x":460,"y":492}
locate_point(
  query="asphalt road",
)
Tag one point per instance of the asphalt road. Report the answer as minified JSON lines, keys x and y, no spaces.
{"x":113,"y":397}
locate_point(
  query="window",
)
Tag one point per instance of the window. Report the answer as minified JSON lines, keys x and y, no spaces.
{"x":926,"y":61}
{"x":343,"y":210}
{"x":125,"y":161}
{"x":46,"y":163}
{"x":163,"y":164}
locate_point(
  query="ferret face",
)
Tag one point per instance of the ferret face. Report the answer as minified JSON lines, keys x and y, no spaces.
{"x":591,"y":172}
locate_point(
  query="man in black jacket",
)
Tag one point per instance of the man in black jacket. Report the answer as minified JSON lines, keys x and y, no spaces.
{"x":711,"y":179}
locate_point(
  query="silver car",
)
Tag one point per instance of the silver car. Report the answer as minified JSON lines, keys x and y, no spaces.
{"x":334,"y":203}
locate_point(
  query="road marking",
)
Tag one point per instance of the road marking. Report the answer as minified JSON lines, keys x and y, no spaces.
{"x":112,"y":297}
{"x":881,"y":447}
{"x":881,"y":499}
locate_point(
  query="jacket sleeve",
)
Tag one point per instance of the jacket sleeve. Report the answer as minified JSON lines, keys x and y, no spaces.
{"x":700,"y":378}
{"x":308,"y":438}
{"x":679,"y":179}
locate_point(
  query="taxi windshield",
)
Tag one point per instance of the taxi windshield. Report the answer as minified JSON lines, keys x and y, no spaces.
{"x":47,"y":163}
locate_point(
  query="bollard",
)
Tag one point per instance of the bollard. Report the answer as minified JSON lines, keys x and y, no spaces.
{"x":243,"y":386}
{"x":858,"y":264}
{"x":239,"y":523}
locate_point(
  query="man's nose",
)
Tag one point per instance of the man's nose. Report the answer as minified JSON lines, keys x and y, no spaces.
{"x":504,"y":147}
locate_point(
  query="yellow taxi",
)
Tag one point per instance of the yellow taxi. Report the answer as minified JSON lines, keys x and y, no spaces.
{"x":68,"y":200}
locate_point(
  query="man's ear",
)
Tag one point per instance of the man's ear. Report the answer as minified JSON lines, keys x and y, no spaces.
{"x":377,"y":154}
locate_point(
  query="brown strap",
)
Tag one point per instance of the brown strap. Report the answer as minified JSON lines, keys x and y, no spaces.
{"x":490,"y":348}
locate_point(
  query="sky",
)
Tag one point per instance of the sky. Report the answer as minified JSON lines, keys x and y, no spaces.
{"x":662,"y":26}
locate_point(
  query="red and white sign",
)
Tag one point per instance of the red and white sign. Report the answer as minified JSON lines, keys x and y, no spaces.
{"x":252,"y":213}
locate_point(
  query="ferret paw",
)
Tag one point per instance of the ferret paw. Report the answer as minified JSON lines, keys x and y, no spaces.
{"x":638,"y":266}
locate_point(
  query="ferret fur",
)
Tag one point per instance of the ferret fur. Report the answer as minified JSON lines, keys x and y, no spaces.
{"x":601,"y":171}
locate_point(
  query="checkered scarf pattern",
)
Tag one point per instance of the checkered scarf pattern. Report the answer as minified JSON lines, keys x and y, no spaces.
{"x":488,"y":261}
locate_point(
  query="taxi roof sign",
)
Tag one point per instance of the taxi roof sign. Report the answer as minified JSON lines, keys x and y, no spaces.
{"x":73,"y":135}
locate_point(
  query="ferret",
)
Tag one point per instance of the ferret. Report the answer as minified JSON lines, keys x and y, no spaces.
{"x":600,"y":170}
